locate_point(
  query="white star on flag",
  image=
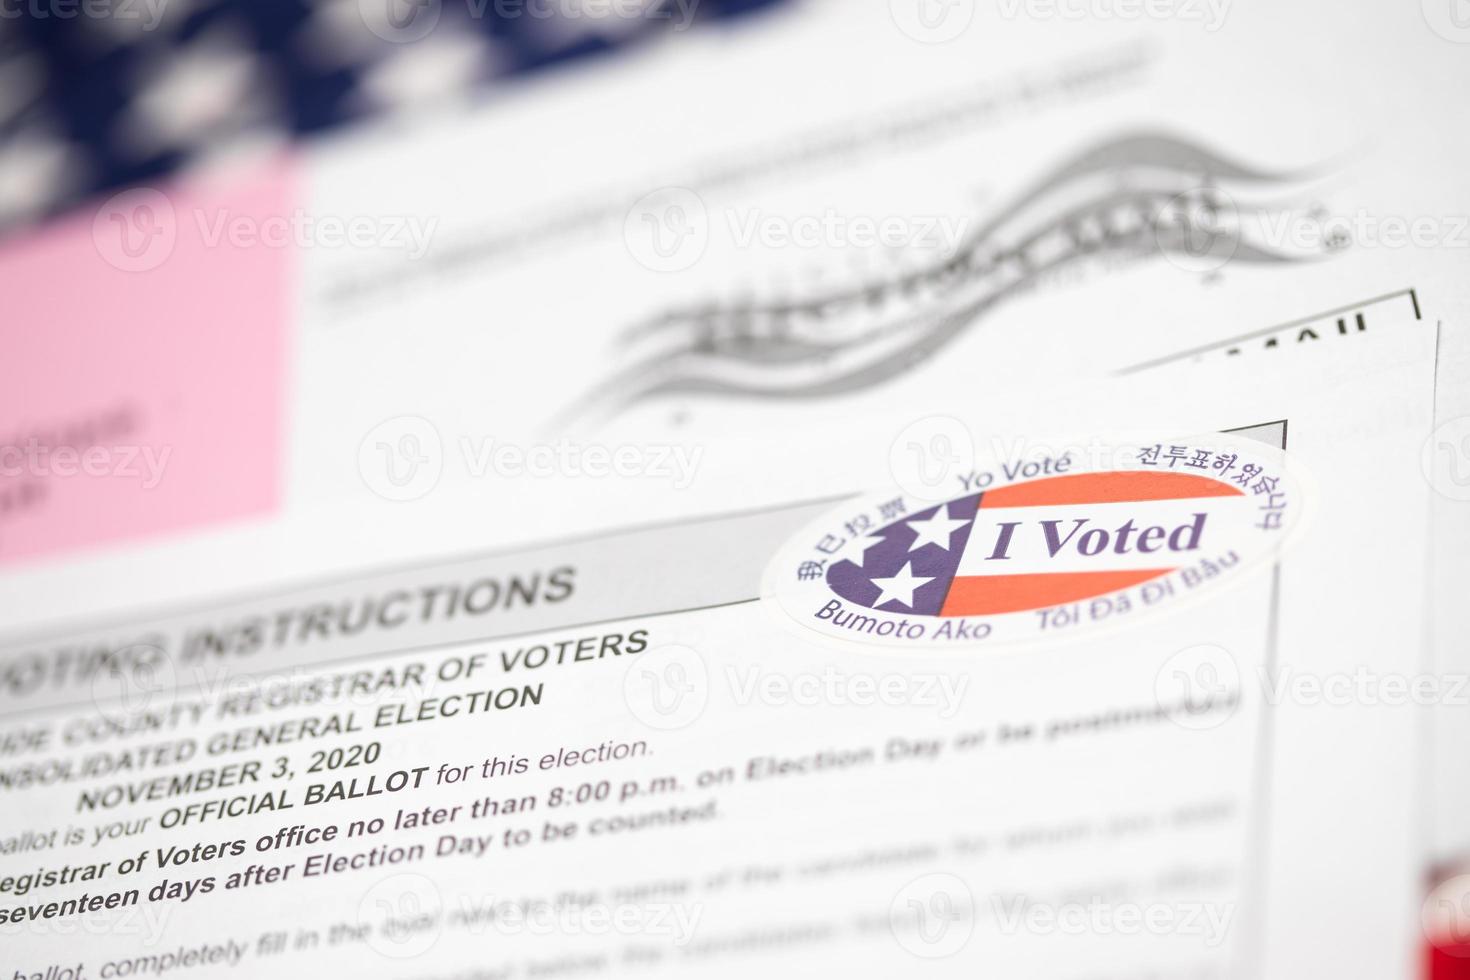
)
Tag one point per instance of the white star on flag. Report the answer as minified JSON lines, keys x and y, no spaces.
{"x":935,"y":530}
{"x":900,"y":587}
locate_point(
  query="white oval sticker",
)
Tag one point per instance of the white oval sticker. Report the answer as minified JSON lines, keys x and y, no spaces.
{"x":1037,"y":547}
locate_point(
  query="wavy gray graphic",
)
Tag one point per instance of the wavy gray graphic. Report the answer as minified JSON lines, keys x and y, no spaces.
{"x":1138,"y":195}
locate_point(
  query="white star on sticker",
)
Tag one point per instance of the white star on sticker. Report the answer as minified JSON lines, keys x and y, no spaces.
{"x":936,"y":530}
{"x":900,"y":587}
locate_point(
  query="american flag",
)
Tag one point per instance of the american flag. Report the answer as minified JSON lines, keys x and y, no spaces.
{"x":138,"y":89}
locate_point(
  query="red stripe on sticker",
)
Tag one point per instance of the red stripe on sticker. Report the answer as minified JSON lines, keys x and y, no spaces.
{"x":1448,"y":962}
{"x":1107,"y":488}
{"x":990,"y":595}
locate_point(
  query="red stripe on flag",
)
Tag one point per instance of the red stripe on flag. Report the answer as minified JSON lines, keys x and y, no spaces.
{"x":1447,"y":962}
{"x":1107,"y":488}
{"x":989,"y":595}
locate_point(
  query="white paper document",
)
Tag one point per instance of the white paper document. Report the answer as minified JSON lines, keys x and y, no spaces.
{"x":624,"y":753}
{"x":850,"y":493}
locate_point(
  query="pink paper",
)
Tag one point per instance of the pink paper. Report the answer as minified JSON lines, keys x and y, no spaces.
{"x":142,"y":365}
